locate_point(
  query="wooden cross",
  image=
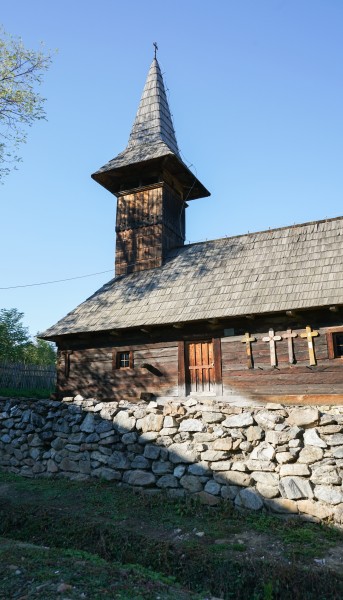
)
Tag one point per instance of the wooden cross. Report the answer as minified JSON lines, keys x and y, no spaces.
{"x":289,"y":336}
{"x":309,"y":335}
{"x":156,"y":48}
{"x":272,"y":339}
{"x":247,"y":340}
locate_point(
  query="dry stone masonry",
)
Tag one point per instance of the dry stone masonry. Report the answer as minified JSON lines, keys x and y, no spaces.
{"x":276,"y":458}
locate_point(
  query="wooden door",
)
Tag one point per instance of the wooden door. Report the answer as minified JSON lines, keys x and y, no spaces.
{"x":200,"y":373}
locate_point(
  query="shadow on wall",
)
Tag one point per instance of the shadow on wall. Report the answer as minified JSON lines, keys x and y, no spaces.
{"x":102,"y":377}
{"x":263,"y":458}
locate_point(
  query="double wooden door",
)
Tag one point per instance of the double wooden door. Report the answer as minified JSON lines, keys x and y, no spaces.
{"x":200,"y":371}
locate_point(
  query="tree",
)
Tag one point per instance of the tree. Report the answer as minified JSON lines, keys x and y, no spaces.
{"x":21,"y":72}
{"x":15,"y":342}
{"x":14,"y":337}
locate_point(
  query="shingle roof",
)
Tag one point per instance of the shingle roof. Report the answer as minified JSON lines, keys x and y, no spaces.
{"x":152,"y":134}
{"x":152,"y":138}
{"x":282,"y":269}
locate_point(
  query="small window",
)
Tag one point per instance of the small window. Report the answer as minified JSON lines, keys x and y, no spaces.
{"x":124,"y":360}
{"x":335,"y":343}
{"x":338,"y":344}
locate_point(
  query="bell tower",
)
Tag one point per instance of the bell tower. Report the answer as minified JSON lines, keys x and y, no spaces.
{"x":152,"y":184}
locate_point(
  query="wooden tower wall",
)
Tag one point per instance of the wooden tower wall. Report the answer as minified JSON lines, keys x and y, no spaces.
{"x":150,"y":221}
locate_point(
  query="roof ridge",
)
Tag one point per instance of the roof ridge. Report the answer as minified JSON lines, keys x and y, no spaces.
{"x":251,"y":233}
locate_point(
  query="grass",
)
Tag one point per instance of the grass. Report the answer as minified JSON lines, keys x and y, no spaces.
{"x":234,"y":555}
{"x":39,"y":394}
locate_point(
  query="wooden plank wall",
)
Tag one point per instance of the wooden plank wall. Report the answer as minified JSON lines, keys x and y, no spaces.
{"x":326,"y":377}
{"x":93,"y":372}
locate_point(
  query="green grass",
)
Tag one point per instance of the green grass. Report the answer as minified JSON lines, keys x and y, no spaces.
{"x":26,"y":393}
{"x":241,"y":556}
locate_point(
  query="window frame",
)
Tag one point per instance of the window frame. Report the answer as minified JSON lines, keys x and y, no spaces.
{"x":116,"y":357}
{"x":330,"y":336}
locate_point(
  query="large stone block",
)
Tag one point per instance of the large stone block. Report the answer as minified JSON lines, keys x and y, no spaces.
{"x":232,"y":478}
{"x":268,"y":419}
{"x":311,"y":438}
{"x":183,"y":452}
{"x":310,"y":454}
{"x":88,"y":424}
{"x":325,"y":475}
{"x":300,"y":470}
{"x":249,"y":499}
{"x":167,"y":481}
{"x":118,"y":460}
{"x":315,"y":509}
{"x":191,"y":483}
{"x":194,"y":425}
{"x":139,"y":478}
{"x":123,"y":422}
{"x":263,"y":451}
{"x":243,"y":420}
{"x":295,"y":488}
{"x":328,"y":494}
{"x":303,"y":417}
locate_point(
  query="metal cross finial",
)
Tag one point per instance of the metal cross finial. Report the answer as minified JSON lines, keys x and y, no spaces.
{"x":156,"y":48}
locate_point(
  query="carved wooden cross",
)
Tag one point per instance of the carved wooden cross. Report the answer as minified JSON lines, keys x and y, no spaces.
{"x":289,"y":336}
{"x":309,"y":335}
{"x":272,"y":339}
{"x":247,"y":340}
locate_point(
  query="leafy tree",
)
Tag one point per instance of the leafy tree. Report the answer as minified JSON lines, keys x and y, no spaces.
{"x":14,"y":337}
{"x":40,"y":353}
{"x":21,"y":72}
{"x":15,"y":342}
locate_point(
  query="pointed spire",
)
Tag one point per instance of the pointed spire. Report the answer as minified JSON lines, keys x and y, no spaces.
{"x":153,"y":122}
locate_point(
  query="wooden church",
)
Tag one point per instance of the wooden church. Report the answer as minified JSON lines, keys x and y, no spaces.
{"x":256,"y":316}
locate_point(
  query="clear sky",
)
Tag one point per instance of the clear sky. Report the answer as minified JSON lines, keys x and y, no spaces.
{"x":256,"y":93}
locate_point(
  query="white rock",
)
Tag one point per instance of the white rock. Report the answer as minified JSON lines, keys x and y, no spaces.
{"x":183,"y":452}
{"x":263,"y":451}
{"x":123,"y":423}
{"x":310,"y":454}
{"x":239,"y":465}
{"x":300,"y":470}
{"x":303,"y":417}
{"x":267,"y":419}
{"x":334,"y":440}
{"x":311,"y":438}
{"x":281,"y":505}
{"x":243,"y":420}
{"x":284,"y":457}
{"x":212,"y":487}
{"x":295,"y":488}
{"x":254,"y":433}
{"x":326,"y":475}
{"x":152,"y":422}
{"x":260,"y":465}
{"x":328,"y":494}
{"x":249,"y":499}
{"x":232,"y":478}
{"x":192,"y":425}
{"x":213,"y":455}
{"x":267,"y":491}
{"x":169,"y":422}
{"x":315,"y":509}
{"x":267,"y":479}
{"x":221,"y":465}
{"x":224,"y":444}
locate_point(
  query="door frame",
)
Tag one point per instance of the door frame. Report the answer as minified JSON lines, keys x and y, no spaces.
{"x":182,"y":365}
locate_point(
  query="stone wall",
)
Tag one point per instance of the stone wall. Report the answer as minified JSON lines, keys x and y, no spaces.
{"x":277,"y":458}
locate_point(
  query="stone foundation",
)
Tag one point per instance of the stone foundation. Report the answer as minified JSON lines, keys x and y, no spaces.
{"x":277,"y":458}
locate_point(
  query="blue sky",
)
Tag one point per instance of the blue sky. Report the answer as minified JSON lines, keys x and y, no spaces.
{"x":256,"y":93}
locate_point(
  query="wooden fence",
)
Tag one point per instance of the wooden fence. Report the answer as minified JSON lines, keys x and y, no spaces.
{"x":21,"y":376}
